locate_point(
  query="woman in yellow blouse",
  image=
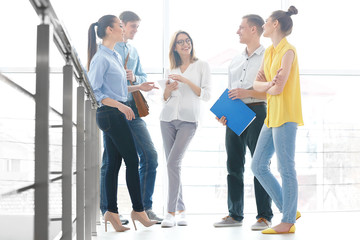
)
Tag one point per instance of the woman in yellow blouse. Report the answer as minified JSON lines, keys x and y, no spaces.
{"x":279,"y":78}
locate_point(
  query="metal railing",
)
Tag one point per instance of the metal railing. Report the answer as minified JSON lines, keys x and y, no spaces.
{"x":87,"y":135}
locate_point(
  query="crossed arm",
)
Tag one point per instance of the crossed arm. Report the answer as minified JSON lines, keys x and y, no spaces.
{"x":262,"y":86}
{"x":276,"y":86}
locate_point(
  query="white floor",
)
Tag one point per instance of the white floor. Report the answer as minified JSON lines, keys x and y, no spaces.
{"x":311,"y":226}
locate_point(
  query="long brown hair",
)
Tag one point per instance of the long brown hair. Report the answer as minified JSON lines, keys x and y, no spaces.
{"x":175,"y":60}
{"x":102,"y":24}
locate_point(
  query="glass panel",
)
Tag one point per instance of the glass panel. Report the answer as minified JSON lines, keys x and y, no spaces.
{"x":333,"y":19}
{"x":18,"y":41}
{"x":213,"y":25}
{"x":17,"y":135}
{"x":326,"y":151}
{"x":148,"y":39}
{"x":327,"y":146}
{"x":16,"y":209}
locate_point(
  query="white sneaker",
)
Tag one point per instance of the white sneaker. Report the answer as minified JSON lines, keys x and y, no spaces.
{"x":169,"y":221}
{"x":261,"y":224}
{"x":182,"y":221}
{"x":228,"y":222}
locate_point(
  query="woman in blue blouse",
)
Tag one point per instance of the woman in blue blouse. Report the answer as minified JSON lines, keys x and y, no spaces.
{"x":108,"y":80}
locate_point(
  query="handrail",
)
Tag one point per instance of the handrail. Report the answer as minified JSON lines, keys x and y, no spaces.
{"x":26,"y":92}
{"x":32,"y":186}
{"x":87,"y":135}
{"x":44,"y":9}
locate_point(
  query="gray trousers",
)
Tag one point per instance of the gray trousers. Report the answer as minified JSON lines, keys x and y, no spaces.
{"x":176,"y":138}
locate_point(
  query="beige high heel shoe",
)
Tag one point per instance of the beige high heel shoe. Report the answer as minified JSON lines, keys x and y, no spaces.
{"x":113,"y":218}
{"x":143,"y":218}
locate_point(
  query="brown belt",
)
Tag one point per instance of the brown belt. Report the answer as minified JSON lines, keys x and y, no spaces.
{"x":256,"y":104}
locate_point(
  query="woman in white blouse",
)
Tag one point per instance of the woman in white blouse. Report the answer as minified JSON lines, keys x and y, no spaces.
{"x":189,"y":82}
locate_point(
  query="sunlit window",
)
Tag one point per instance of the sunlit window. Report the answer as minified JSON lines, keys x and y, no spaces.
{"x":327,"y":41}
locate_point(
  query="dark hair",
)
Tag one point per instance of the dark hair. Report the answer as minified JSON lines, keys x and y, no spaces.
{"x":128,"y":16}
{"x":284,"y":19}
{"x":255,"y":20}
{"x":102,"y":24}
{"x":175,"y":60}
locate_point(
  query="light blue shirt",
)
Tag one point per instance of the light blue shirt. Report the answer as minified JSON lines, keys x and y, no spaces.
{"x":107,"y":75}
{"x":133,"y":63}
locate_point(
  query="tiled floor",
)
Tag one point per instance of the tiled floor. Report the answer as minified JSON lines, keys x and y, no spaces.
{"x":311,"y":226}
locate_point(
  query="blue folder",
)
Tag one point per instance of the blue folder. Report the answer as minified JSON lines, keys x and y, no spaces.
{"x":238,"y":115}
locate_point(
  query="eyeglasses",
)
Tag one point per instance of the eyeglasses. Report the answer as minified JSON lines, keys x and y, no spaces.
{"x":181,"y":42}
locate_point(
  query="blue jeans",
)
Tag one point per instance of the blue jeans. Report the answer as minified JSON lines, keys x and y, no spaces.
{"x":148,"y":160}
{"x":118,"y":145}
{"x":282,"y":141}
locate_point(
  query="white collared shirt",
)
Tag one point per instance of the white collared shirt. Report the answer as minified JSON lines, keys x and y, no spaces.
{"x":243,"y":70}
{"x":184,"y":104}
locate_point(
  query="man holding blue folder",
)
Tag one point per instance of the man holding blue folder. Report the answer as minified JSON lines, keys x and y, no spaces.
{"x":242,"y":73}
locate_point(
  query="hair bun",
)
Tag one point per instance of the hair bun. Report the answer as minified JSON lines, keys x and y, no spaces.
{"x":292,"y":11}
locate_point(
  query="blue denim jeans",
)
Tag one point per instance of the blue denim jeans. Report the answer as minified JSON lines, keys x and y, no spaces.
{"x":148,"y":160}
{"x":118,"y":145}
{"x":282,"y":141}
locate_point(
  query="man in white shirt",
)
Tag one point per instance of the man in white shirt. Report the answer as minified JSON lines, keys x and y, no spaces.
{"x":242,"y":73}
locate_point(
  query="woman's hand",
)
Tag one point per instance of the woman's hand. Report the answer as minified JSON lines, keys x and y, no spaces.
{"x":261,"y":76}
{"x":276,"y":79}
{"x":127,"y":111}
{"x":178,"y":78}
{"x":147,"y":86}
{"x":169,"y":88}
{"x":196,"y":89}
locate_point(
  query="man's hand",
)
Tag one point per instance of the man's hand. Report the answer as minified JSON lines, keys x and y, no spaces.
{"x":147,"y":86}
{"x":130,"y":75}
{"x":238,"y":93}
{"x":222,"y":120}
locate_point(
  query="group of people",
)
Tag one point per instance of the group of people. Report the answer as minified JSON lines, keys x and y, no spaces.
{"x":267,"y":81}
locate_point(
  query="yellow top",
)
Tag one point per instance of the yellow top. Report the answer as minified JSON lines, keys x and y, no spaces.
{"x":285,"y":107}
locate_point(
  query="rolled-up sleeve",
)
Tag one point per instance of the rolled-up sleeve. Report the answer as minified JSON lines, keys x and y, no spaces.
{"x":96,"y":77}
{"x":139,"y":73}
{"x":205,"y":83}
